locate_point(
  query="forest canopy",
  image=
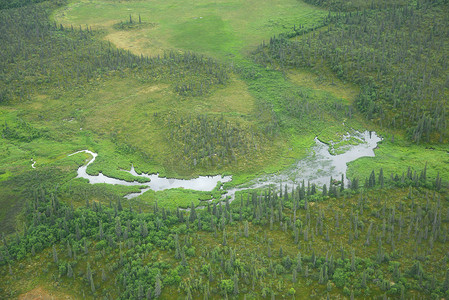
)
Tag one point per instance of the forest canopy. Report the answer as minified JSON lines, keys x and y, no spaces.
{"x":164,"y":90}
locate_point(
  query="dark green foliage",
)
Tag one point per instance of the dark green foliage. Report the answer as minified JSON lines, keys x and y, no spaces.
{"x":446,"y":281}
{"x":37,"y":55}
{"x":398,"y":57}
{"x":207,"y":140}
{"x":22,"y":131}
{"x":372,"y":179}
{"x":134,"y":242}
{"x":4,"y":96}
{"x":324,"y":192}
{"x":157,"y":287}
{"x":7,"y":4}
{"x":342,"y":5}
{"x":69,"y":271}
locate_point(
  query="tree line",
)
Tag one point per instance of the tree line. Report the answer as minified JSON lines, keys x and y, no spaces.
{"x":397,"y":55}
{"x":38,"y":55}
{"x":377,"y":241}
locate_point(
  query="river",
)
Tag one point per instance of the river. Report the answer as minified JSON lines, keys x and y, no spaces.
{"x":318,"y":167}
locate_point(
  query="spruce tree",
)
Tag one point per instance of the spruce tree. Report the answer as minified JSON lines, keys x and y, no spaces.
{"x":69,"y":250}
{"x":245,"y":230}
{"x":69,"y":271}
{"x":55,"y":255}
{"x":381,"y":178}
{"x":446,"y":281}
{"x":92,"y":284}
{"x":236,"y":284}
{"x":157,"y":286}
{"x":324,"y":190}
{"x":224,"y":237}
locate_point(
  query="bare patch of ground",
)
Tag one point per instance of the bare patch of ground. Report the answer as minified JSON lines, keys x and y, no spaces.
{"x":42,"y":294}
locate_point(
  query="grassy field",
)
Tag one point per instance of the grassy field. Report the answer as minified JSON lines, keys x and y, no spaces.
{"x":131,"y":118}
{"x":219,"y":28}
{"x":174,"y":87}
{"x":127,"y":120}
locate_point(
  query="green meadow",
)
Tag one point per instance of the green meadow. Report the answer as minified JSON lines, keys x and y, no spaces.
{"x":127,"y":118}
{"x":186,"y":88}
{"x":218,"y":28}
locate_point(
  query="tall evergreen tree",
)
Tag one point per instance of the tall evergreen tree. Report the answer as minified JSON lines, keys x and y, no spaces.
{"x":157,"y":286}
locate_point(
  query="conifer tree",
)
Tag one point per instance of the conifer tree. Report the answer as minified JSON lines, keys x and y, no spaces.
{"x":92,"y":284}
{"x":446,"y":281}
{"x":69,"y":250}
{"x":69,"y":271}
{"x":224,"y":237}
{"x":381,"y":178}
{"x":192,"y":217}
{"x":88,"y":272}
{"x":236,"y":284}
{"x":55,"y":255}
{"x":157,"y":286}
{"x":324,"y":190}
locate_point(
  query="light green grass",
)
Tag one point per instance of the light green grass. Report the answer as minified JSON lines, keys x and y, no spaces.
{"x":204,"y":34}
{"x":175,"y":198}
{"x":124,"y":119}
{"x":395,"y":157}
{"x":221,"y":29}
{"x":217,"y":28}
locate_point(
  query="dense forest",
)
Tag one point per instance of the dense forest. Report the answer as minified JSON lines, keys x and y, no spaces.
{"x":340,"y":5}
{"x":4,"y":4}
{"x":398,"y":56}
{"x":184,"y":109}
{"x":387,"y":239}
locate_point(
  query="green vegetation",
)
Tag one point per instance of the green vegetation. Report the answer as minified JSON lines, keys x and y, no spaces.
{"x":219,"y":28}
{"x":5,"y":4}
{"x":242,"y":88}
{"x":341,"y":5}
{"x":132,"y":24}
{"x":367,"y":243}
{"x":396,"y":55}
{"x":176,"y":198}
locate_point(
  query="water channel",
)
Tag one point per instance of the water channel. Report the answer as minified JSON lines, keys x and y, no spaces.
{"x":155,"y":183}
{"x":318,"y":167}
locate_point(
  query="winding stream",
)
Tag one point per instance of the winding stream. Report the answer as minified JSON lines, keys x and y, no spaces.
{"x":33,"y":163}
{"x":156,"y":183}
{"x":317,"y":168}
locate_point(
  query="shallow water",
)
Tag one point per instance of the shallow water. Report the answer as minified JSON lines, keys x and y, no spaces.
{"x":156,"y":183}
{"x":318,"y":167}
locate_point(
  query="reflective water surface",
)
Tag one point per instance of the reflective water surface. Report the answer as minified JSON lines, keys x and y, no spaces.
{"x":156,"y":183}
{"x":318,"y":167}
